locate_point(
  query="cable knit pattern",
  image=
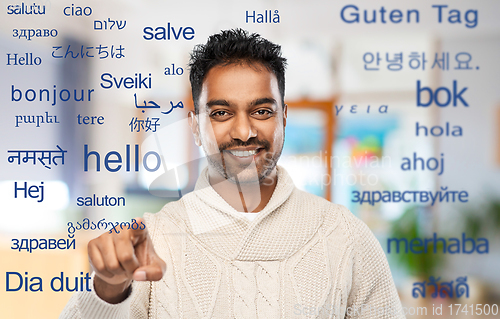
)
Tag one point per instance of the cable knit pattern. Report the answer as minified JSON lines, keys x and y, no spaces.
{"x":244,"y":290}
{"x":311,"y":276}
{"x":202,"y":276}
{"x":302,"y":257}
{"x":256,"y":286}
{"x":268,"y":289}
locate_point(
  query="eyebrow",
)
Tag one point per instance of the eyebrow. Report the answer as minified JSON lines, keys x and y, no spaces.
{"x":217,"y":102}
{"x":265,"y":100}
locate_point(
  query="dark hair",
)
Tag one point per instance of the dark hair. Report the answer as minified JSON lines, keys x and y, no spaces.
{"x":234,"y":46}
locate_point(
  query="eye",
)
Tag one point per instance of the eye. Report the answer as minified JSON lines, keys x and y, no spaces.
{"x":263,"y":114}
{"x":220,"y":115}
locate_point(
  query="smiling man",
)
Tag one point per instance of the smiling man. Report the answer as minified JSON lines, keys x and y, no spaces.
{"x":240,"y":122}
{"x":246,"y":243}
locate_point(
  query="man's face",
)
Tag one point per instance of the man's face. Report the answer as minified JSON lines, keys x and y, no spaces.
{"x":241,"y":105}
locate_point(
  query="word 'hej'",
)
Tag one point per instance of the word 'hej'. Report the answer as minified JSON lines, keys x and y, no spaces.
{"x":31,"y":192}
{"x":445,"y":289}
{"x":351,"y":14}
{"x":15,"y":282}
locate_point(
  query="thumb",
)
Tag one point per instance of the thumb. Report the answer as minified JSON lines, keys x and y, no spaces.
{"x":151,"y":272}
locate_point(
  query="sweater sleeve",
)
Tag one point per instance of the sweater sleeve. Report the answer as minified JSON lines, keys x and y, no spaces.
{"x":373,"y":294}
{"x":88,"y":305}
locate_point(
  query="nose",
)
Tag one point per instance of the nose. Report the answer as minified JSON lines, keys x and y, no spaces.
{"x":242,"y":128}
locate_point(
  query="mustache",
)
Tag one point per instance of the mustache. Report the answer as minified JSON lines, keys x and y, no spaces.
{"x":251,"y":142}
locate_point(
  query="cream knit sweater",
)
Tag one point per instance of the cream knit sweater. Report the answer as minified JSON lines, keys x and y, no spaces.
{"x":302,"y":257}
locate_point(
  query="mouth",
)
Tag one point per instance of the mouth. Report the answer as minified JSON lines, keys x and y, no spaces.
{"x":244,"y":153}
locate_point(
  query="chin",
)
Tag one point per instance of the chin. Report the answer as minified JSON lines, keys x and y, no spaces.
{"x":242,"y":175}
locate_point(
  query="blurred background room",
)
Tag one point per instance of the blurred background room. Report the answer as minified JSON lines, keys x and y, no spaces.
{"x":353,"y":127}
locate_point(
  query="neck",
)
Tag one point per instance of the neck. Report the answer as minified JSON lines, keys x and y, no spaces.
{"x":244,"y":197}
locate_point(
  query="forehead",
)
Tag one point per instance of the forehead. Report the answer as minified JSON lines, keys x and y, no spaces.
{"x":240,"y":81}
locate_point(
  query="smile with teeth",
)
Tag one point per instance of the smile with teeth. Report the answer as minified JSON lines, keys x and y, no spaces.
{"x":243,"y":153}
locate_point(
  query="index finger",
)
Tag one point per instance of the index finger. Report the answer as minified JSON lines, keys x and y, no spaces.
{"x":138,"y":231}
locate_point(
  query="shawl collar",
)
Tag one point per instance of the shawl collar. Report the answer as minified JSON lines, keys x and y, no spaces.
{"x":281,"y":228}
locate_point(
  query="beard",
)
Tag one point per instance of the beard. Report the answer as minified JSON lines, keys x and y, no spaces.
{"x":245,"y":173}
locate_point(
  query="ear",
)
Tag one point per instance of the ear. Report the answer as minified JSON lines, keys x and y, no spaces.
{"x":195,"y":128}
{"x":285,"y":109}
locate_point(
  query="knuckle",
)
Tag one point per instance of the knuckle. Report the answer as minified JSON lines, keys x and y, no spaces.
{"x":91,"y":244}
{"x":126,"y":257}
{"x":113,"y":267}
{"x":163,"y":266}
{"x":99,"y":268}
{"x":158,"y":274}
